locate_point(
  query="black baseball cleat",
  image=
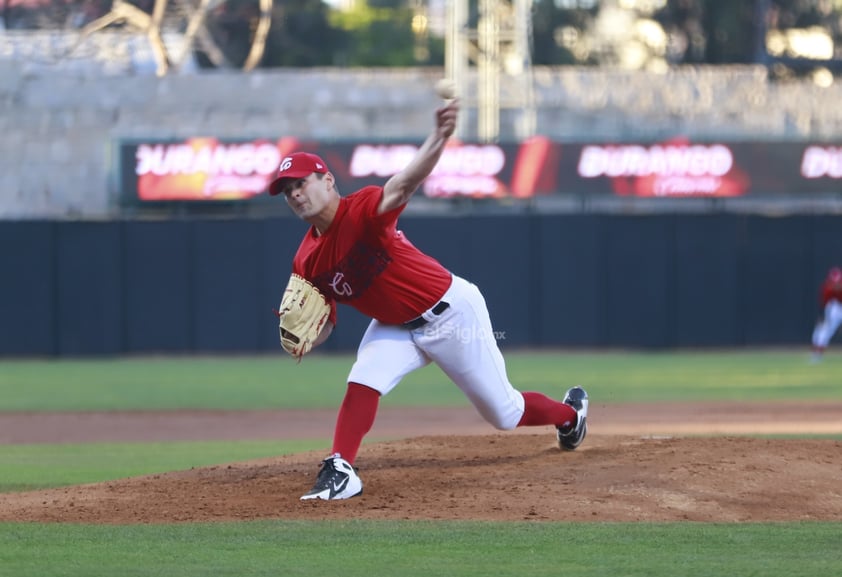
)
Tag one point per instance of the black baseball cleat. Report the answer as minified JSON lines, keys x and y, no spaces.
{"x":571,"y":437}
{"x":336,"y":480}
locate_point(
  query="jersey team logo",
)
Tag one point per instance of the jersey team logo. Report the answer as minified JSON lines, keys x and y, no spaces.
{"x":339,"y":287}
{"x":353,"y":274}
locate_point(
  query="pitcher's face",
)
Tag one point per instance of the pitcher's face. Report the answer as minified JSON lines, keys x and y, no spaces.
{"x":309,"y":196}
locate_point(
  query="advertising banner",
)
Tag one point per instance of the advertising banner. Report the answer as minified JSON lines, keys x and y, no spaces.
{"x":714,"y":169}
{"x":199,"y":169}
{"x":211,"y":169}
{"x":208,"y":169}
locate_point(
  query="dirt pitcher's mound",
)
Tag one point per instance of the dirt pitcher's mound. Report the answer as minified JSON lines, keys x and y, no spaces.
{"x":489,"y":477}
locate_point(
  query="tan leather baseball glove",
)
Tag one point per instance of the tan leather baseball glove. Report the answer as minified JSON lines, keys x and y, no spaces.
{"x":303,"y":314}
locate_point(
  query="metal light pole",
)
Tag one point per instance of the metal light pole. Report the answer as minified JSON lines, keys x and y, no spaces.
{"x":499,"y":48}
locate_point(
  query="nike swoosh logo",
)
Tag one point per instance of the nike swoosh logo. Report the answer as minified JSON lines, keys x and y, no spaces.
{"x":337,"y":487}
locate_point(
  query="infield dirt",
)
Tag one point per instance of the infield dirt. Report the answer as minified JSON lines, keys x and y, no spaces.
{"x":668,"y":462}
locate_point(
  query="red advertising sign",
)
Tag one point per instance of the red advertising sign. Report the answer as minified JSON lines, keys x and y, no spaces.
{"x":822,"y":162}
{"x":211,"y":169}
{"x":466,"y":169}
{"x":670,"y":169}
{"x":685,"y":168}
{"x":206,"y":168}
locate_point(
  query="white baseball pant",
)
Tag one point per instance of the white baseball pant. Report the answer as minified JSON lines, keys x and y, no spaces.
{"x":827,"y":327}
{"x":460,"y":341}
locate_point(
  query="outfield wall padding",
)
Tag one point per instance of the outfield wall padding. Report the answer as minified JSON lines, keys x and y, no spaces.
{"x":205,"y":286}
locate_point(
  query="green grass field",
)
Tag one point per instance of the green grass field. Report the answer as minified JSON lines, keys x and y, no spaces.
{"x":399,"y":548}
{"x":319,"y":381}
{"x":422,"y":549}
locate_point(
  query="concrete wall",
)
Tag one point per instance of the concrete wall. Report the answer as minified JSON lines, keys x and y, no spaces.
{"x":57,"y":127}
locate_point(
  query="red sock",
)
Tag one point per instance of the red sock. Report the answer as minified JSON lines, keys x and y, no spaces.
{"x":541,"y":410}
{"x":356,"y":416}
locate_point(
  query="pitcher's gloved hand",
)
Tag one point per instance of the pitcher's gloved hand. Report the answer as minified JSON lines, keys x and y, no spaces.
{"x":303,"y":314}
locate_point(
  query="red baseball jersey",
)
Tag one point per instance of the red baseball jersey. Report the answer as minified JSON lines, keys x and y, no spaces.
{"x":832,"y":287}
{"x":363,"y":261}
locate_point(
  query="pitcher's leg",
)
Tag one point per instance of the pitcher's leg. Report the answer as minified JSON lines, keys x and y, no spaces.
{"x":486,"y":384}
{"x":462,"y":342}
{"x":386,"y":354}
{"x":539,"y":410}
{"x":354,"y":421}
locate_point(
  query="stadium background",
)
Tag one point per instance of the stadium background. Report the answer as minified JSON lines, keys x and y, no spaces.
{"x":91,"y":269}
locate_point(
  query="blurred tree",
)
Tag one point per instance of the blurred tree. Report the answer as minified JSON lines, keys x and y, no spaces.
{"x":379,"y":33}
{"x":684,"y":23}
{"x":390,"y":4}
{"x":559,"y":34}
{"x":51,"y":14}
{"x":729,"y":28}
{"x":300,"y":34}
{"x":395,"y":33}
{"x":231,"y":25}
{"x":709,"y":31}
{"x":733,"y":31}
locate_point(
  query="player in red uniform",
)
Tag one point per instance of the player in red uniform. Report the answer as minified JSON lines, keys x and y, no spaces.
{"x":421,"y":312}
{"x":830,"y":298}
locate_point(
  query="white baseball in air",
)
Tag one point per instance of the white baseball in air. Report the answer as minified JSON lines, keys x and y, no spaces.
{"x":446,"y":89}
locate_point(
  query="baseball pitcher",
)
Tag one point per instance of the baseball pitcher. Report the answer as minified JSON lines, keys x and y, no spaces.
{"x":354,"y":254}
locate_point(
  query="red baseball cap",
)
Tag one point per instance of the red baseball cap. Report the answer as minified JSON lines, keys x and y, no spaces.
{"x":296,"y":165}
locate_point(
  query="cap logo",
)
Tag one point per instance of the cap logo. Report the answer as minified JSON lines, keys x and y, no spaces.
{"x":285,"y":164}
{"x":319,"y":166}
